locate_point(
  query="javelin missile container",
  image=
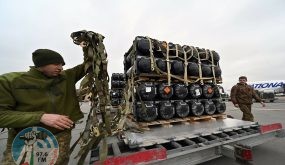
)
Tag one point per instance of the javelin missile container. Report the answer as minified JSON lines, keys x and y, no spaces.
{"x":118,"y":83}
{"x":170,"y":80}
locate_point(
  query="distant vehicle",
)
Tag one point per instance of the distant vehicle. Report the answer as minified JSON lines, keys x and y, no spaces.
{"x":266,"y":95}
{"x":278,"y":86}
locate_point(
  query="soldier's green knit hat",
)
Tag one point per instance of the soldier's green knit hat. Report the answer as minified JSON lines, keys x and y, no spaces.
{"x":42,"y":57}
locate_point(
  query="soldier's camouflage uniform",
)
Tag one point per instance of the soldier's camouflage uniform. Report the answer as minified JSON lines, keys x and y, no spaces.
{"x":242,"y":94}
{"x":26,"y":96}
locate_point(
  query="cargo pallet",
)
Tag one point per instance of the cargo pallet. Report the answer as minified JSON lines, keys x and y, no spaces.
{"x":174,"y":121}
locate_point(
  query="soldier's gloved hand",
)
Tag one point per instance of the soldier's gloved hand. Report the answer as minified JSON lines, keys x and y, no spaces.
{"x":57,"y":121}
{"x":236,"y":105}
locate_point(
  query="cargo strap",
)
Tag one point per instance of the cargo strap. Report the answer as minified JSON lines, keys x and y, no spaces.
{"x":213,"y":69}
{"x":185,"y":68}
{"x":168,"y":64}
{"x":200,"y":67}
{"x":96,"y":81}
{"x":125,"y":110}
{"x":152,"y":60}
{"x":185,"y":59}
{"x":192,"y":52}
{"x":168,"y":73}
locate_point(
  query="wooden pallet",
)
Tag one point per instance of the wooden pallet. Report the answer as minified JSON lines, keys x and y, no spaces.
{"x":200,"y":118}
{"x":157,"y":123}
{"x":219,"y":116}
{"x":169,"y":123}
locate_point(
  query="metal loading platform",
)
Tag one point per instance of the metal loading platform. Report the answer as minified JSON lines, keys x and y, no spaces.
{"x":187,"y":144}
{"x":194,"y":130}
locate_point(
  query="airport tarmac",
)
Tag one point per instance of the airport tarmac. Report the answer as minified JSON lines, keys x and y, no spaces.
{"x":271,"y":152}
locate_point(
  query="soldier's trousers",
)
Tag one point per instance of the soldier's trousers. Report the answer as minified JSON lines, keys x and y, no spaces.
{"x":63,"y":139}
{"x":246,"y":110}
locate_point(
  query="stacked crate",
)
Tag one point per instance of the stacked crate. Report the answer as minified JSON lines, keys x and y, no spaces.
{"x":170,"y":80}
{"x":118,"y":83}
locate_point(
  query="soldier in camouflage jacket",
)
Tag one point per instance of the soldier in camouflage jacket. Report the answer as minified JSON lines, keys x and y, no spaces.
{"x":242,"y":95}
{"x":44,"y":96}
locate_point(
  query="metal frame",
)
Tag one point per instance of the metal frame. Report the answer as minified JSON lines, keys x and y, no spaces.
{"x":197,"y":150}
{"x":204,"y":154}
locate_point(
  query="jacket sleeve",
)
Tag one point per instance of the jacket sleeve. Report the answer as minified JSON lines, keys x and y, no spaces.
{"x":9,"y":117}
{"x":233,"y":94}
{"x":255,"y":96}
{"x":77,"y":71}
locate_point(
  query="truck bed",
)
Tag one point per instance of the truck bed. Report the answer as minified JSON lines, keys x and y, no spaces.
{"x":158,"y":135}
{"x":193,"y":143}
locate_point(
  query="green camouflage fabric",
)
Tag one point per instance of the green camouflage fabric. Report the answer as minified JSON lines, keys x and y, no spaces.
{"x":7,"y":156}
{"x":63,"y":140}
{"x":26,"y":96}
{"x":96,"y":81}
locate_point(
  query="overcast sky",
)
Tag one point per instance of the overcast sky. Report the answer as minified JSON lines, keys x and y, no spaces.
{"x":249,"y":35}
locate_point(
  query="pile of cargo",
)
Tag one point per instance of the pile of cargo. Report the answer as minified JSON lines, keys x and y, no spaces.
{"x":170,"y":80}
{"x":117,"y":88}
